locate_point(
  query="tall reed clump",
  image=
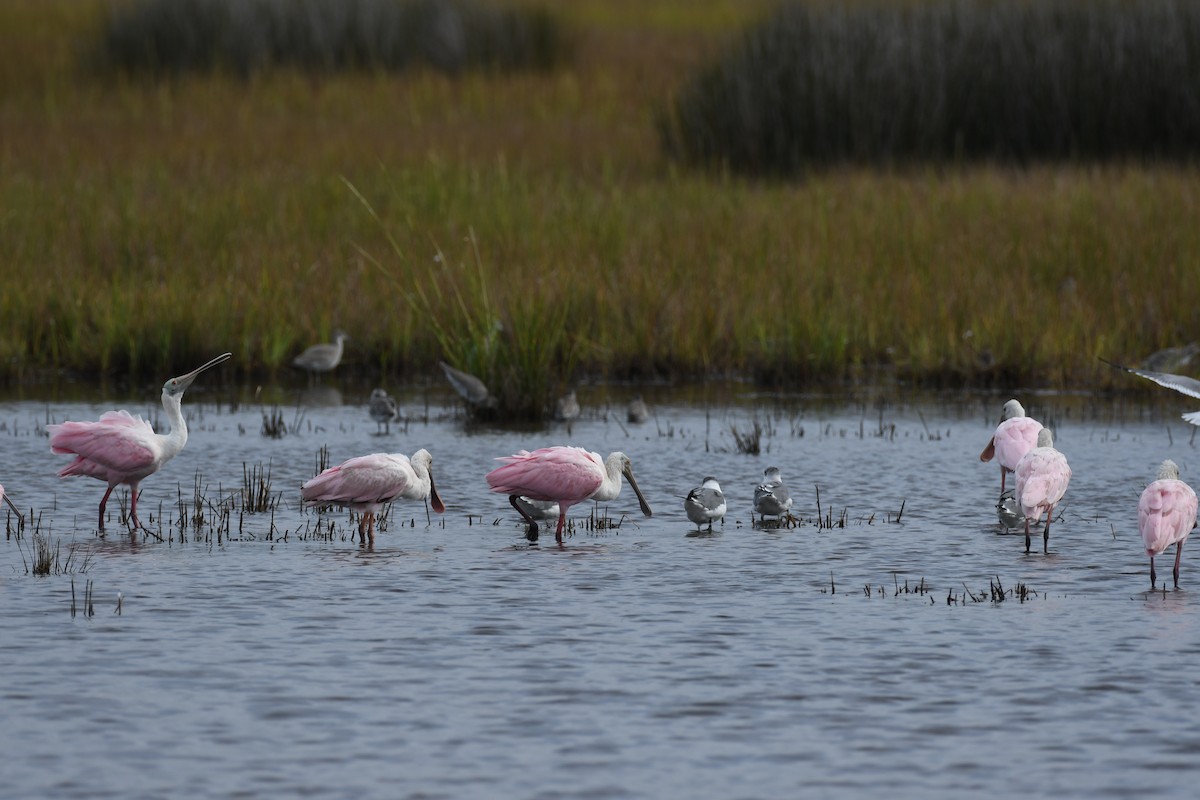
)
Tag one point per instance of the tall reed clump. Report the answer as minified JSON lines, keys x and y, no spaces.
{"x":873,"y":82}
{"x":521,"y":346}
{"x":170,"y":37}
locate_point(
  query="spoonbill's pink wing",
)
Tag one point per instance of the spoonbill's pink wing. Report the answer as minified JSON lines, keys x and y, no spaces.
{"x":1014,"y":438}
{"x":376,"y":478}
{"x":551,"y":473}
{"x":117,"y":443}
{"x":1166,"y":514}
{"x":1042,"y":479}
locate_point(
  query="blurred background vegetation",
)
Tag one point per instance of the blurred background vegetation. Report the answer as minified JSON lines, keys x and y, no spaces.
{"x":952,"y":193}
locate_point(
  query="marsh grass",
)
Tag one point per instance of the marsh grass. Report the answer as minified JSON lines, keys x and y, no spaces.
{"x":257,"y":495}
{"x":46,"y":555}
{"x":821,"y":83}
{"x":146,"y":226}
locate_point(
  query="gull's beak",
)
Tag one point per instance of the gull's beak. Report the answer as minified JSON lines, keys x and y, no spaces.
{"x":628,"y":472}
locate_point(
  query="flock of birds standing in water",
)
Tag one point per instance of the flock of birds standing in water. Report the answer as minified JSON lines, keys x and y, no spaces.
{"x":120,"y":448}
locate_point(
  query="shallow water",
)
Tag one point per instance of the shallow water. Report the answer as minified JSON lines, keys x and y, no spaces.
{"x":460,"y":660}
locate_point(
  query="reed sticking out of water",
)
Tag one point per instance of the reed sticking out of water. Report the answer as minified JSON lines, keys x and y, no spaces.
{"x":89,"y":609}
{"x":749,"y":441}
{"x":256,"y":489}
{"x":273,"y":426}
{"x":322,"y":459}
{"x":46,"y":557}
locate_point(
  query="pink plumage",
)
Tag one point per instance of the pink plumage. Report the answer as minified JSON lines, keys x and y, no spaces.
{"x":117,"y":445}
{"x":1166,"y":515}
{"x":367,"y":483}
{"x":1042,"y":478}
{"x":1015,"y":436}
{"x":566,"y":475}
{"x":120,"y":448}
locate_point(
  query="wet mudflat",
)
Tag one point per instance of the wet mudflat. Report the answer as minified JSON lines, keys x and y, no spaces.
{"x":270,"y":654}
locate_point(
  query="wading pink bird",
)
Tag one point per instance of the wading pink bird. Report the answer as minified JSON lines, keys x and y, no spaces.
{"x":565,"y":475}
{"x":367,"y":483}
{"x":121,"y":448}
{"x":1015,"y":436}
{"x":1166,"y":515}
{"x":1042,"y":478}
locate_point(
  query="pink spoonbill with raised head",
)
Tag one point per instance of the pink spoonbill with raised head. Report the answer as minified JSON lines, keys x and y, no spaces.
{"x":368,"y":483}
{"x":1015,"y":436}
{"x":565,"y":475}
{"x":1166,"y":515}
{"x":1042,"y":478}
{"x":120,"y":448}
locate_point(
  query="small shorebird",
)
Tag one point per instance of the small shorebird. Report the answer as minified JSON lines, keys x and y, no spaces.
{"x":383,"y":410}
{"x":771,"y":497}
{"x":322,"y":357}
{"x":705,"y":503}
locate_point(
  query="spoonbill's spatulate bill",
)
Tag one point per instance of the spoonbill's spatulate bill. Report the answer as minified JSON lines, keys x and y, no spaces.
{"x":566,"y":475}
{"x":1179,"y":383}
{"x":368,"y":483}
{"x":1042,"y":478}
{"x":10,"y":503}
{"x":322,"y":357}
{"x":771,"y":497}
{"x":1166,"y":515}
{"x":1015,"y":436}
{"x":706,"y":503}
{"x":123,"y":449}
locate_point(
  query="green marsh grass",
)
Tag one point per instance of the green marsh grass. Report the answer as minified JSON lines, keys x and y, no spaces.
{"x":146,"y":226}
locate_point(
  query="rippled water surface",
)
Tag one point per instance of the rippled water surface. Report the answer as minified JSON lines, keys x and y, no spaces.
{"x":459,"y":660}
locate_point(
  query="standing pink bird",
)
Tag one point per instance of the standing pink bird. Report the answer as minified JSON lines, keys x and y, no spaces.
{"x":1042,"y":478}
{"x":1015,"y":436}
{"x":367,"y":483}
{"x":1166,"y":515}
{"x":121,"y":448}
{"x":565,"y":475}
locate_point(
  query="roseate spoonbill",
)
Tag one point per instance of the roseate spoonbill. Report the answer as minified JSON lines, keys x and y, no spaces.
{"x":383,"y":410}
{"x":566,"y":475}
{"x":121,"y":448}
{"x":637,"y":413}
{"x":1180,"y":383}
{"x":11,"y":505}
{"x":468,"y":387}
{"x":1015,"y":436}
{"x":322,"y":357}
{"x":771,"y":497}
{"x":1042,"y":478}
{"x":1166,"y":515}
{"x":567,"y":407}
{"x":367,"y":483}
{"x":705,"y":503}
